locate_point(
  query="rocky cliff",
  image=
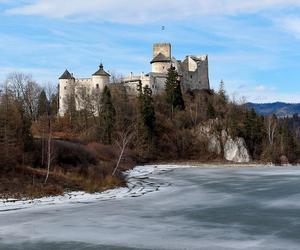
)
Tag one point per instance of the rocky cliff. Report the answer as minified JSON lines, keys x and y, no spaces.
{"x":232,"y":149}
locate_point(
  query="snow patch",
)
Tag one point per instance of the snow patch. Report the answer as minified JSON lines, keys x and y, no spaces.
{"x":138,"y":185}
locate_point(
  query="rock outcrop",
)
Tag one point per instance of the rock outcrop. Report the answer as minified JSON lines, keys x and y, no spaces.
{"x":233,"y":149}
{"x":236,"y":150}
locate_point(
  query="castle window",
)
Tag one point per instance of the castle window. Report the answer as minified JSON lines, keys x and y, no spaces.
{"x":65,"y":87}
{"x":97,"y":86}
{"x":191,"y":77}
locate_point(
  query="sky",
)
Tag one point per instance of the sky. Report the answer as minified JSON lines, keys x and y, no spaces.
{"x":253,"y":45}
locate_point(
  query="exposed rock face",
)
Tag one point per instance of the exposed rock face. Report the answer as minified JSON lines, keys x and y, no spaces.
{"x":236,"y":150}
{"x":214,"y":144}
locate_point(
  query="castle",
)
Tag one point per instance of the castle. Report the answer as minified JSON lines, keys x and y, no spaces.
{"x":193,"y":71}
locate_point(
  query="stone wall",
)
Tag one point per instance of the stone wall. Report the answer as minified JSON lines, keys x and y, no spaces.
{"x":164,"y":48}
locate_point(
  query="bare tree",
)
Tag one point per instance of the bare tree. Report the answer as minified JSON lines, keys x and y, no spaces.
{"x":27,"y":91}
{"x":115,"y":77}
{"x":49,"y":142}
{"x":86,"y":103}
{"x":271,"y":128}
{"x":124,"y":138}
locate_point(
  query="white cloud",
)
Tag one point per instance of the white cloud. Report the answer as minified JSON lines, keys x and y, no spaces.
{"x":137,"y":11}
{"x":289,"y":24}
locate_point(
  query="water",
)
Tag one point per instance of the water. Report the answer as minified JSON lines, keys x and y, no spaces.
{"x":193,"y":208}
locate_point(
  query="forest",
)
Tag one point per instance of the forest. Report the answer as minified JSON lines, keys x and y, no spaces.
{"x":114,"y":129}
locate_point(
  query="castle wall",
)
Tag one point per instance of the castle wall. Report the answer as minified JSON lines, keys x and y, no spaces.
{"x":99,"y":82}
{"x":194,"y":71}
{"x":164,"y":48}
{"x":160,"y":67}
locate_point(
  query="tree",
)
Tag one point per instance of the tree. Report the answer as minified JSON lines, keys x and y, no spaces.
{"x":107,"y":116}
{"x":211,"y":112}
{"x":173,"y":90}
{"x":253,"y":132}
{"x":26,"y":91}
{"x":124,"y":138}
{"x":10,"y":132}
{"x":42,"y":104}
{"x":85,"y":104}
{"x":271,"y":128}
{"x":49,"y":141}
{"x":54,"y":104}
{"x":147,"y":110}
{"x":222,"y":92}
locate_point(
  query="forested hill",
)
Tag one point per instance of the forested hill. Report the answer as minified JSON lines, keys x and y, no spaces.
{"x":281,"y":109}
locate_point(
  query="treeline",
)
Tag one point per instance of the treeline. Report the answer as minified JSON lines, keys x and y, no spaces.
{"x":103,"y":130}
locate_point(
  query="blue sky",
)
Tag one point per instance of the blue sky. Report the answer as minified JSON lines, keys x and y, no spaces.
{"x":254,"y":46}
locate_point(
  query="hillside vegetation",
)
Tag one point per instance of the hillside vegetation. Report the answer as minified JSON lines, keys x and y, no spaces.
{"x":87,"y":149}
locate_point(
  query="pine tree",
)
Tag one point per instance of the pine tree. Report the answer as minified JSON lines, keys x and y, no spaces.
{"x":253,"y":132}
{"x":147,"y":110}
{"x":42,"y":104}
{"x":107,"y":116}
{"x":54,"y":104}
{"x":210,"y":113}
{"x":173,"y":90}
{"x":222,"y":92}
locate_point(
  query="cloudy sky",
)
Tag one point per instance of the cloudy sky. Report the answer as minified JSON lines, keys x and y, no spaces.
{"x":253,"y":45}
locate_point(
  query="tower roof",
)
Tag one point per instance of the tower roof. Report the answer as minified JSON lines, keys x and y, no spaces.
{"x":66,"y":75}
{"x":101,"y":71}
{"x":160,"y":58}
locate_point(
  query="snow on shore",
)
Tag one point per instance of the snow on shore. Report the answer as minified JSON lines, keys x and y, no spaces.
{"x":139,"y":182}
{"x":138,"y":185}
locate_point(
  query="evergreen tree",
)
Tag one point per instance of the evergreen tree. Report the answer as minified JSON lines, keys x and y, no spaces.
{"x":253,"y":132}
{"x":54,"y":104}
{"x":222,"y":92}
{"x":42,"y":104}
{"x":147,"y":110}
{"x":107,"y":115}
{"x":210,"y":113}
{"x":26,"y":137}
{"x":173,"y":90}
{"x":288,"y":144}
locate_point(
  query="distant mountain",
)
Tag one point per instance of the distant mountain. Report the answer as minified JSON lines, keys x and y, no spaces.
{"x":281,"y":109}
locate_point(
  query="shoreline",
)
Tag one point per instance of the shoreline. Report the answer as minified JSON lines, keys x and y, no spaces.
{"x":138,"y":184}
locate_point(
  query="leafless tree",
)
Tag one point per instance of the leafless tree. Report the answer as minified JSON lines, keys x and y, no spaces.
{"x":271,"y":128}
{"x":85,"y":101}
{"x":115,"y":77}
{"x":26,"y":90}
{"x":124,"y":138}
{"x":49,"y":142}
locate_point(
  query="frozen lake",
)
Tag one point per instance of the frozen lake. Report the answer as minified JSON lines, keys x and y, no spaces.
{"x":170,"y":208}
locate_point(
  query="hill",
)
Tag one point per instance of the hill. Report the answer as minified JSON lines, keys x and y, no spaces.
{"x":281,"y":109}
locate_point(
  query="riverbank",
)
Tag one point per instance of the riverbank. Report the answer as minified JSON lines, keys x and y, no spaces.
{"x":137,"y":185}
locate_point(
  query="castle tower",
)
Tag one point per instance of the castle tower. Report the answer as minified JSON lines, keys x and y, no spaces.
{"x":66,"y":83}
{"x":162,"y":55}
{"x":100,"y":78}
